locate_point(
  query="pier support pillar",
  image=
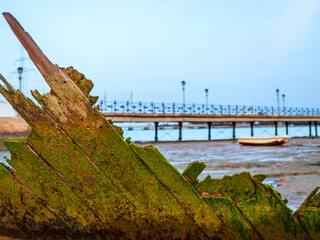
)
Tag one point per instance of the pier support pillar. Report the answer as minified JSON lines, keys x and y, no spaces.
{"x":156,"y":124}
{"x":287,"y":128}
{"x":310,"y":129}
{"x":316,"y":128}
{"x":251,"y":125}
{"x":276,"y":128}
{"x":233,"y":130}
{"x":180,"y":131}
{"x":209,"y":130}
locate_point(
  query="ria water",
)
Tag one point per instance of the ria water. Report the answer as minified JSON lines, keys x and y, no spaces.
{"x":217,"y":133}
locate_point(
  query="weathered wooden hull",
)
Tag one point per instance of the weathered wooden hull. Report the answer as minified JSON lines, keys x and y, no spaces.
{"x":76,"y":177}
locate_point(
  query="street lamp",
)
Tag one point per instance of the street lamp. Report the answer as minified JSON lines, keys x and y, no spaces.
{"x":277,"y":91}
{"x":206,"y":91}
{"x":184,"y":98}
{"x":284,"y":107}
{"x":20,"y":71}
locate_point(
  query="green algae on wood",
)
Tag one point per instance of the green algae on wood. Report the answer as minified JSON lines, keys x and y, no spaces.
{"x":192,"y":172}
{"x":258,"y":203}
{"x":75,"y":176}
{"x":308,"y":214}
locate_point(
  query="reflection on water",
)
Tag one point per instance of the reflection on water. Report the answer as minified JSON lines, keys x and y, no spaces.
{"x":292,"y":169}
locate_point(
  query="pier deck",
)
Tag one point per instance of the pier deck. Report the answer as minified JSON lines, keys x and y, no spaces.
{"x":157,"y":117}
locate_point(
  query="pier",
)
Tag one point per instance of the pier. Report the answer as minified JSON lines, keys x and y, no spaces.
{"x":209,"y":114}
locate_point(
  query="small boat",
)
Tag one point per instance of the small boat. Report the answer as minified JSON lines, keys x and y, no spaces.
{"x":265,"y":141}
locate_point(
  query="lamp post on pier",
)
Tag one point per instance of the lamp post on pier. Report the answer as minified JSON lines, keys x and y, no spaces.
{"x":284,"y":107}
{"x":206,"y":91}
{"x":20,"y":71}
{"x":277,"y":91}
{"x":183,"y":91}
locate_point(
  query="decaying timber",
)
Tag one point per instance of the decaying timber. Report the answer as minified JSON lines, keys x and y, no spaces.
{"x":76,"y":177}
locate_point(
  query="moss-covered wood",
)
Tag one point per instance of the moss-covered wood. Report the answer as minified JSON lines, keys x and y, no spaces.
{"x":75,"y":176}
{"x":308,"y":214}
{"x":192,"y":172}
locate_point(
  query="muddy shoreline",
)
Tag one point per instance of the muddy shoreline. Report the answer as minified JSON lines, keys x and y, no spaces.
{"x":292,"y":169}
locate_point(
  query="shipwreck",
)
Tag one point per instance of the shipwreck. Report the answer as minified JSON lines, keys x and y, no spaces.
{"x":75,"y":177}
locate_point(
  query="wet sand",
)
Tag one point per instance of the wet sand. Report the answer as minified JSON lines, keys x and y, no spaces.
{"x":292,"y":169}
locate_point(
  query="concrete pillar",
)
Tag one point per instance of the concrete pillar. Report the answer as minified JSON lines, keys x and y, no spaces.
{"x":276,"y":128}
{"x":316,"y":128}
{"x":180,"y":131}
{"x":251,"y":125}
{"x":156,"y":124}
{"x":209,"y":130}
{"x":233,"y":130}
{"x":310,"y":129}
{"x":287,"y":128}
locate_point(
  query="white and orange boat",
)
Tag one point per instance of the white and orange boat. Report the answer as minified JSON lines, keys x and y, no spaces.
{"x":265,"y":141}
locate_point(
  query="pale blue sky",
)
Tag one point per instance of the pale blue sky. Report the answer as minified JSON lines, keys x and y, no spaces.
{"x":240,"y":50}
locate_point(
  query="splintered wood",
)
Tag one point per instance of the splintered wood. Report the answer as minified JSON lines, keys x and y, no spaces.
{"x":76,"y":177}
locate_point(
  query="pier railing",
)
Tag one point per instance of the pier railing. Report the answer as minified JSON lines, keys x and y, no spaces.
{"x":174,"y":108}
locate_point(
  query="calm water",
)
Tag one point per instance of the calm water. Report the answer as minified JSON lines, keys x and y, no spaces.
{"x":293,"y":169}
{"x":202,"y":134}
